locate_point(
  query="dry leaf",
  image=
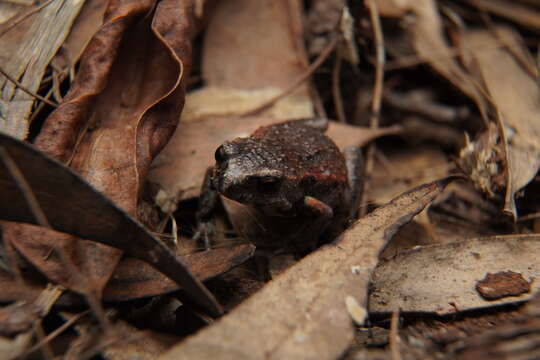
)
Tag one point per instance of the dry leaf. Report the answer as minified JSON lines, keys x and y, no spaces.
{"x":21,"y":316}
{"x":442,"y":278}
{"x":514,"y":94}
{"x":302,"y":314}
{"x":85,"y":26}
{"x":74,"y":207}
{"x":512,"y":10}
{"x":135,"y":279}
{"x":404,"y":169}
{"x":430,"y":43}
{"x":513,"y":339}
{"x":270,"y":42}
{"x":137,"y":344}
{"x":12,"y":348}
{"x":25,"y":56}
{"x":118,"y":114}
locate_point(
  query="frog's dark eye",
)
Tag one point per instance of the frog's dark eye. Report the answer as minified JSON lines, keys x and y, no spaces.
{"x":220,"y":154}
{"x":268,"y":184}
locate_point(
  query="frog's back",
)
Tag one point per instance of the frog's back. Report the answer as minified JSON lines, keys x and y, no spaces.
{"x":302,"y":151}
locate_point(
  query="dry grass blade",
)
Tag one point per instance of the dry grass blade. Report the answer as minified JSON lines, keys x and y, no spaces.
{"x":302,"y":313}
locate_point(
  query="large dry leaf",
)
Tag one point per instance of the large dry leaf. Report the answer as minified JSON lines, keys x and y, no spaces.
{"x":85,"y":26}
{"x":442,"y":278}
{"x":25,"y":56}
{"x":425,"y":29}
{"x":514,"y":94}
{"x":119,"y":112}
{"x":74,"y":207}
{"x":134,"y":278}
{"x":179,"y":169}
{"x":304,"y":313}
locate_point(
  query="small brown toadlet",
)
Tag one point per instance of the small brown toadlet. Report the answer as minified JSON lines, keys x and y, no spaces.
{"x":298,"y":186}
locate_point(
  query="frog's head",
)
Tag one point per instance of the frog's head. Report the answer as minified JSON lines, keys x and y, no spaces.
{"x":248,"y":172}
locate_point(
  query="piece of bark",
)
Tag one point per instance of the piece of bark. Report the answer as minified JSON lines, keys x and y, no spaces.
{"x":442,"y":278}
{"x":502,"y":284}
{"x":305,"y":313}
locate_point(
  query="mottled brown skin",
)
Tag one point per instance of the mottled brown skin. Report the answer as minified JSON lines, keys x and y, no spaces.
{"x":293,"y":179}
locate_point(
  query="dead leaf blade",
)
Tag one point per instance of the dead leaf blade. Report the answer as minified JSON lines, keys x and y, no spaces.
{"x":73,"y":206}
{"x":302,"y":313}
{"x":444,"y":278}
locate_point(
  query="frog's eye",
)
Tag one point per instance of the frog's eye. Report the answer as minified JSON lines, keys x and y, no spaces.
{"x":268,"y":184}
{"x":220,"y":154}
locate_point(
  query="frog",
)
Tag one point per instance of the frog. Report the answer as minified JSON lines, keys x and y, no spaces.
{"x":298,"y":188}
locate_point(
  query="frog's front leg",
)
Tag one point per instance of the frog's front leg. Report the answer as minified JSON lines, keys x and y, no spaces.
{"x":208,"y":200}
{"x":318,"y":215}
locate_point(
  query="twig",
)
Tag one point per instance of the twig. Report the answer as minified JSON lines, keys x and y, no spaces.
{"x":39,"y":107}
{"x":421,"y":102}
{"x":25,"y":89}
{"x":296,"y":83}
{"x":23,"y":185}
{"x":336,"y":87}
{"x":531,"y":216}
{"x":53,"y":334}
{"x":394,"y":336}
{"x":377,"y":90}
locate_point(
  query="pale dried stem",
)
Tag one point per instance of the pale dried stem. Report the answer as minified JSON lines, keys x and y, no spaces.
{"x":299,"y":80}
{"x":26,"y":90}
{"x":377,"y":91}
{"x":336,"y":88}
{"x":53,"y":334}
{"x":394,"y":336}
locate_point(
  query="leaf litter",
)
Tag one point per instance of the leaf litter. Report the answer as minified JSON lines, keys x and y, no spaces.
{"x":457,"y":91}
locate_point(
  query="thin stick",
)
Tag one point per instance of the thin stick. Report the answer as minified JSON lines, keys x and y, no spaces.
{"x":336,"y":88}
{"x":41,"y":219}
{"x":377,"y":90}
{"x":23,"y":185}
{"x":299,"y":81}
{"x":394,"y":336}
{"x":46,"y":348}
{"x":25,"y":89}
{"x":53,"y":334}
